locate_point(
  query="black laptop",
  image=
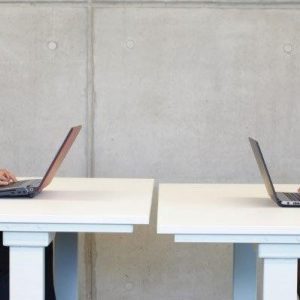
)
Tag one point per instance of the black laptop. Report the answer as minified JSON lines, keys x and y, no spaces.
{"x":281,"y":199}
{"x":30,"y":188}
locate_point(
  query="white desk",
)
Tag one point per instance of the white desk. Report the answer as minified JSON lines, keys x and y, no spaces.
{"x":67,"y":205}
{"x":228,"y":213}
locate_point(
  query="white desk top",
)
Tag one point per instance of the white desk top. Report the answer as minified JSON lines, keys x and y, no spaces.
{"x":81,"y":201}
{"x":219,"y":209}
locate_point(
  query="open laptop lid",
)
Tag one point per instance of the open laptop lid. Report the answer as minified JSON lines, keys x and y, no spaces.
{"x":263,"y":168}
{"x":59,"y":157}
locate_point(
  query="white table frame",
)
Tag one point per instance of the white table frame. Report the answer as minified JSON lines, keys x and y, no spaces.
{"x":27,"y":252}
{"x":279,"y":249}
{"x":27,"y":239}
{"x":280,"y":255}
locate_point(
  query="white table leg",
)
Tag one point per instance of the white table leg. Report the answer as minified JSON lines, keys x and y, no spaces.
{"x":244,"y":272}
{"x":280,"y":270}
{"x":65,"y":266}
{"x":27,"y":264}
{"x":27,"y":271}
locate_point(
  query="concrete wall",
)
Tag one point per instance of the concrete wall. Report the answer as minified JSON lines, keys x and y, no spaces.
{"x":169,"y":90}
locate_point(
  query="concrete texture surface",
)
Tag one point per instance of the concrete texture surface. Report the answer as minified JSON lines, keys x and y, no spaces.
{"x":195,"y":83}
{"x":178,"y":93}
{"x":42,"y":90}
{"x":174,"y":94}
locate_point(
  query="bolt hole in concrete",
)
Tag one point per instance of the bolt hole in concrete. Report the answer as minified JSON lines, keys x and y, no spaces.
{"x":130,"y":43}
{"x":52,"y":45}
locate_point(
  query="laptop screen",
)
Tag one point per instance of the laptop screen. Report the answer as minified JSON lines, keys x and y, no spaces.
{"x":59,"y":157}
{"x":263,"y":168}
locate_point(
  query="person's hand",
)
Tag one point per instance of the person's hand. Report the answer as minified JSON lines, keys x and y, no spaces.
{"x":6,"y":177}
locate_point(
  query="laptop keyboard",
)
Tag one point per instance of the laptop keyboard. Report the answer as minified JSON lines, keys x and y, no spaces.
{"x":20,"y":183}
{"x":293,"y":196}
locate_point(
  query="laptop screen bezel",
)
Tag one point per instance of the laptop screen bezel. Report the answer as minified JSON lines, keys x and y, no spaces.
{"x":263,"y":169}
{"x":59,"y":157}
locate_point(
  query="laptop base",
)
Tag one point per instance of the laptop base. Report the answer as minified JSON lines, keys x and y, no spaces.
{"x":285,"y":200}
{"x":23,"y":188}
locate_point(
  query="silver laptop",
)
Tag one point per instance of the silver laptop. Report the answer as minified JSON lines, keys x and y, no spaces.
{"x":281,"y":199}
{"x":30,"y":188}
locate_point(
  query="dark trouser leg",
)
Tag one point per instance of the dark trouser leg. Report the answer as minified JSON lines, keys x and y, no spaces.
{"x":4,"y":286}
{"x":49,"y":285}
{"x":4,"y":267}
